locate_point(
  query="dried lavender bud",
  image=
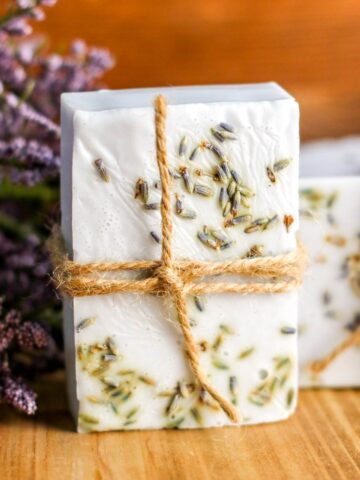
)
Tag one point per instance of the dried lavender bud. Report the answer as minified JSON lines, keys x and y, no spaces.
{"x":203,"y":190}
{"x":155,"y":236}
{"x":183,"y":147}
{"x":271,"y":175}
{"x":235,"y":176}
{"x":231,"y":188}
{"x":217,"y":134}
{"x":194,"y":153}
{"x":101,"y":169}
{"x":189,"y":184}
{"x":281,"y":164}
{"x":220,"y":174}
{"x":227,"y":127}
{"x":187,"y":213}
{"x":226,"y":169}
{"x":223,"y":197}
{"x":142,"y":190}
{"x":215,"y":149}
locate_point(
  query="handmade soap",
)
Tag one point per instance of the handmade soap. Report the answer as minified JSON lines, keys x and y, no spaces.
{"x":329,"y":310}
{"x":233,"y":155}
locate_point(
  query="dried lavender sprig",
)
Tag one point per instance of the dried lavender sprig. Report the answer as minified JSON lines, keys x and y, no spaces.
{"x":30,"y":87}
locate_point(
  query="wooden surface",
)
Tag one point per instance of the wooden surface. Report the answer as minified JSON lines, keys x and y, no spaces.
{"x":311,"y":48}
{"x":322,"y":441}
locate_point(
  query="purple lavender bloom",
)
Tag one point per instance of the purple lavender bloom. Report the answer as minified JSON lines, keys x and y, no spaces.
{"x":37,"y":14}
{"x":8,"y":330}
{"x":47,"y":3}
{"x":25,"y":4}
{"x":17,"y":27}
{"x":16,"y":334}
{"x":78,"y":48}
{"x":32,"y":335}
{"x":27,"y":113}
{"x":26,"y":334}
{"x":14,"y":392}
{"x":31,"y":82}
{"x":27,"y":161}
{"x":99,"y":60}
{"x":11,"y":72}
{"x":26,"y":51}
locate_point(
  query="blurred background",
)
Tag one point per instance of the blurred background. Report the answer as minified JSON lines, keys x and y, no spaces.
{"x":312,"y":48}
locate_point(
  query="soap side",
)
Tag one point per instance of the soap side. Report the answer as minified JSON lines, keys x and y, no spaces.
{"x":328,"y":307}
{"x":67,"y":140}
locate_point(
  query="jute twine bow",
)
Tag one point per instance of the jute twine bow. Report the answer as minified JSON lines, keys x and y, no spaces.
{"x":177,"y":278}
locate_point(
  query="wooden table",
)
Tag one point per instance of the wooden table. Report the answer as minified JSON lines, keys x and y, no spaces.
{"x":321,"y":441}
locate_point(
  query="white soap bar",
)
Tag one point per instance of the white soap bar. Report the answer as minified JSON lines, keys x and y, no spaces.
{"x":126,"y":369}
{"x":330,"y":227}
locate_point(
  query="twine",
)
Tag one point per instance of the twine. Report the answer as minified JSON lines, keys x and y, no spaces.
{"x":177,"y":278}
{"x":320,"y":365}
{"x":354,"y":339}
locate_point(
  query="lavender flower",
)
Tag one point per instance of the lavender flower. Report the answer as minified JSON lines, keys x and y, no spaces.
{"x":32,"y":335}
{"x":15,"y":22}
{"x":26,"y":335}
{"x":8,"y":329}
{"x":14,"y":392}
{"x":17,"y":27}
{"x":12,"y":72}
{"x":34,"y":160}
{"x":31,"y":81}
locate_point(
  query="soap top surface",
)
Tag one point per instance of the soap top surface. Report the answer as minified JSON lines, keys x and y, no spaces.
{"x":143,"y":97}
{"x":331,"y":158}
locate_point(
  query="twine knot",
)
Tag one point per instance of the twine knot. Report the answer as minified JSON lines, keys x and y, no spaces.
{"x":169,"y":279}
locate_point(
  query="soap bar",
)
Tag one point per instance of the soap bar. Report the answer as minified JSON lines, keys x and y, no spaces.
{"x":125,"y":360}
{"x":329,"y":307}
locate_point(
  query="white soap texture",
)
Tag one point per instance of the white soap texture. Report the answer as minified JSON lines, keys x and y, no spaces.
{"x":329,"y":308}
{"x":140,"y":379}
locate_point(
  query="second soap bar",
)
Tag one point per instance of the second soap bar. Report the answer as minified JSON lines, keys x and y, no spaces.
{"x":329,"y":310}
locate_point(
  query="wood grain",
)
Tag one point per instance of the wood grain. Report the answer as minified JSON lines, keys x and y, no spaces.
{"x":322,"y":440}
{"x":311,"y":48}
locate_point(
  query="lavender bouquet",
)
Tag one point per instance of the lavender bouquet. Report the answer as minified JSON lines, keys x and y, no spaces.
{"x":31,"y":81}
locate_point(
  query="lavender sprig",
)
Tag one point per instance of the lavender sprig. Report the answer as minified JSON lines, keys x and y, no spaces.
{"x":14,"y":22}
{"x":22,"y":160}
{"x":14,"y":392}
{"x":31,"y":81}
{"x":24,"y":335}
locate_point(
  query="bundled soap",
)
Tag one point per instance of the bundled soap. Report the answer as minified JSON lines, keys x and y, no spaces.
{"x":233,"y":156}
{"x":330,"y":298}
